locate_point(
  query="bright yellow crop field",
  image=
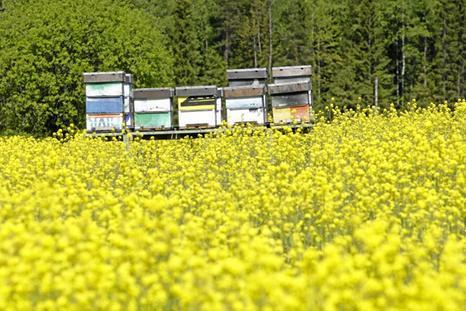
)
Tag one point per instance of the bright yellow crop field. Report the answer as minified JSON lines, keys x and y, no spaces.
{"x":365,"y":213}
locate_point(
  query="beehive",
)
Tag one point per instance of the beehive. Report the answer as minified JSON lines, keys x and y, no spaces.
{"x":198,"y":106}
{"x":245,"y":104}
{"x":108,"y":100}
{"x":291,"y":102}
{"x":153,"y":108}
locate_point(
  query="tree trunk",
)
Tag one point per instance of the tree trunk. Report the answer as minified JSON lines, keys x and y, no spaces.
{"x":397,"y":75}
{"x":461,"y":79}
{"x":403,"y":57}
{"x":461,"y":74}
{"x":255,"y":51}
{"x":318,"y":62}
{"x":226,"y":52}
{"x":425,"y":62}
{"x":376,"y":92}
{"x":444,"y":60}
{"x":270,"y":37}
{"x":259,"y":43}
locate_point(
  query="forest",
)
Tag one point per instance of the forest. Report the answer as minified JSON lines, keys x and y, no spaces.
{"x":397,"y":50}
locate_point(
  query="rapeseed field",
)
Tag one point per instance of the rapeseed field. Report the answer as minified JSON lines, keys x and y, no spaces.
{"x":367,"y":212}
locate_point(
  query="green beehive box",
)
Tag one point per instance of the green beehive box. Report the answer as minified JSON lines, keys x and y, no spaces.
{"x":153,"y":120}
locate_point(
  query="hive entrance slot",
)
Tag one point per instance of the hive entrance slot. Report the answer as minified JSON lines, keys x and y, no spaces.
{"x":197,"y":125}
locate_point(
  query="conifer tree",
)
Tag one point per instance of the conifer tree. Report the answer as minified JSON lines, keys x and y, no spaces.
{"x":450,"y":49}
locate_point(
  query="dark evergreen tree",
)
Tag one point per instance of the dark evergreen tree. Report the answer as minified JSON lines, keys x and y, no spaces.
{"x":325,"y":45}
{"x":449,"y":49}
{"x":185,"y":43}
{"x":291,"y":29}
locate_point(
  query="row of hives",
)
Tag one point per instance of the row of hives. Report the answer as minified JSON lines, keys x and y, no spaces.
{"x":112,"y":104}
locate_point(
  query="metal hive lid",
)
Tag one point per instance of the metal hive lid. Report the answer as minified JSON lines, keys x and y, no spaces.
{"x":153,"y":93}
{"x":247,"y":74}
{"x":292,"y":71}
{"x":202,"y":90}
{"x":100,"y":77}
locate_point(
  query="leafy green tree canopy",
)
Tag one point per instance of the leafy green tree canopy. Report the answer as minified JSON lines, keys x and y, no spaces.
{"x":46,"y":46}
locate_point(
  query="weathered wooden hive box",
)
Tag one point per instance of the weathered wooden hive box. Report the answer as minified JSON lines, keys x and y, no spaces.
{"x":248,"y":76}
{"x":291,"y":102}
{"x":245,"y":104}
{"x":291,"y":94}
{"x":198,"y":106}
{"x":153,"y":108}
{"x":291,"y":74}
{"x":108,"y":100}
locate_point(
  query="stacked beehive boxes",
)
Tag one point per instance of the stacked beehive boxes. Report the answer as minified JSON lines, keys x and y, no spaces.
{"x":108,"y":101}
{"x":291,"y":94}
{"x":153,"y":108}
{"x":198,"y":106}
{"x":110,"y":104}
{"x":245,"y":97}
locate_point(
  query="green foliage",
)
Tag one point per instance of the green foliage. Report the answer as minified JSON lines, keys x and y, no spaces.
{"x":414,"y":49}
{"x":47,"y":45}
{"x":332,"y":78}
{"x":290,"y":32}
{"x":450,"y":48}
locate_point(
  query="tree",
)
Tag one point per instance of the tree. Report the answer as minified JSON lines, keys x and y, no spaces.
{"x":324,"y":43}
{"x":291,"y":20}
{"x":364,"y":52}
{"x":43,"y":58}
{"x":450,"y":49}
{"x":197,"y":60}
